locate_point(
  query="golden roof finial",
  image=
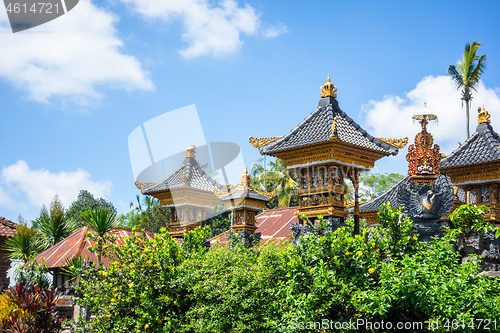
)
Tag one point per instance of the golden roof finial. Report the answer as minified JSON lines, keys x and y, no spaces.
{"x":328,"y":89}
{"x":245,"y":179}
{"x":191,"y":151}
{"x":483,"y":116}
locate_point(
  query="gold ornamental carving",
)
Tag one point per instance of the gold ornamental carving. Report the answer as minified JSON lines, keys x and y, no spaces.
{"x":141,"y":186}
{"x":423,"y":159}
{"x":244,"y":184}
{"x":262,"y":141}
{"x":483,"y":116}
{"x":190,"y":152}
{"x":328,"y":89}
{"x":399,"y":143}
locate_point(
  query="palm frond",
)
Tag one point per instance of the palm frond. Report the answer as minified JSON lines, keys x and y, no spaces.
{"x":100,"y":220}
{"x":456,"y":77}
{"x":24,"y":244}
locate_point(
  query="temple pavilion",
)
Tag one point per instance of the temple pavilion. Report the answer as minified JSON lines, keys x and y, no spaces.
{"x":474,"y":167}
{"x":188,"y":192}
{"x":244,"y":202}
{"x":322,"y":150}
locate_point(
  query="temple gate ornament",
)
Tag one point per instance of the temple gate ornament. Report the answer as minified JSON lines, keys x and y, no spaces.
{"x":426,"y":196}
{"x":423,"y":159}
{"x":321,"y":151}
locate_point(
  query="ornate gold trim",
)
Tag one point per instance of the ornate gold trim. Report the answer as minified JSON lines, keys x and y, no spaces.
{"x":190,"y":152}
{"x":244,"y":184}
{"x":334,"y":126}
{"x":399,"y":143}
{"x":141,"y":186}
{"x":328,"y":89}
{"x":262,"y":141}
{"x":483,"y":116}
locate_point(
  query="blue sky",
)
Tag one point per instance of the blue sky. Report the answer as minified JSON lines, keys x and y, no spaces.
{"x":73,"y":89}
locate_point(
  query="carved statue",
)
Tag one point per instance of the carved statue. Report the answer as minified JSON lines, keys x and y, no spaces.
{"x":426,"y":204}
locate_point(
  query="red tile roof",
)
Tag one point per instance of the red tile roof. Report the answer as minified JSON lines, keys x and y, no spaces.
{"x":7,"y":227}
{"x":78,"y":244}
{"x":273,"y":224}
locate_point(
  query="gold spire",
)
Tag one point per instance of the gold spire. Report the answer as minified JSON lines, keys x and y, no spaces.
{"x":483,"y":116}
{"x":328,"y":89}
{"x":191,"y":151}
{"x":245,"y":179}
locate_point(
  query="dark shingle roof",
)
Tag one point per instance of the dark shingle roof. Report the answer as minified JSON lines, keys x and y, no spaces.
{"x":317,"y":127}
{"x":481,"y":147}
{"x":240,"y":193}
{"x":195,"y":178}
{"x":391,"y":195}
{"x":7,"y":227}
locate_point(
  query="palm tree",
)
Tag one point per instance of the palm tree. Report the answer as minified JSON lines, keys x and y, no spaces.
{"x":466,"y":74}
{"x":53,"y":224}
{"x":24,"y":244}
{"x":278,"y":178}
{"x":101,"y":221}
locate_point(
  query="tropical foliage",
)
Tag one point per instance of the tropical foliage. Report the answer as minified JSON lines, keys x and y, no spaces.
{"x":85,"y":202}
{"x":469,"y":218}
{"x":29,"y":310}
{"x":146,"y":214}
{"x":275,"y":177}
{"x":54,"y":225}
{"x":376,"y":184}
{"x":466,"y":74}
{"x":101,"y":221}
{"x":384,"y":274}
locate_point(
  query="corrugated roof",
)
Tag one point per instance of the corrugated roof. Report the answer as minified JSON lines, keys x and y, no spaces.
{"x":481,"y":147}
{"x":317,"y":128}
{"x":7,"y":227}
{"x":78,"y":244}
{"x":195,"y":178}
{"x":273,"y":225}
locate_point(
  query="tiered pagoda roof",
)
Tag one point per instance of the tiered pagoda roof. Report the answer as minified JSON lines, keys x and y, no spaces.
{"x":328,"y":135}
{"x":328,"y":121}
{"x":477,"y":160}
{"x":189,"y":174}
{"x":245,"y":191}
{"x":482,"y":147}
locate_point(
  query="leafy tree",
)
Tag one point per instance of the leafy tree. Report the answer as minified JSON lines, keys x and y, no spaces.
{"x":220,"y":220}
{"x":101,"y":221}
{"x":278,"y":178}
{"x":376,"y":184}
{"x":466,"y":74}
{"x":24,"y":244}
{"x":84,"y":202}
{"x":147,"y":214}
{"x":53,"y":224}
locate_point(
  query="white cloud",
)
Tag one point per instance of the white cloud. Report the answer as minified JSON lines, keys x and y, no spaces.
{"x":275,"y":31}
{"x":30,"y":189}
{"x":208,"y":29}
{"x":69,"y":57}
{"x":392,"y":116}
